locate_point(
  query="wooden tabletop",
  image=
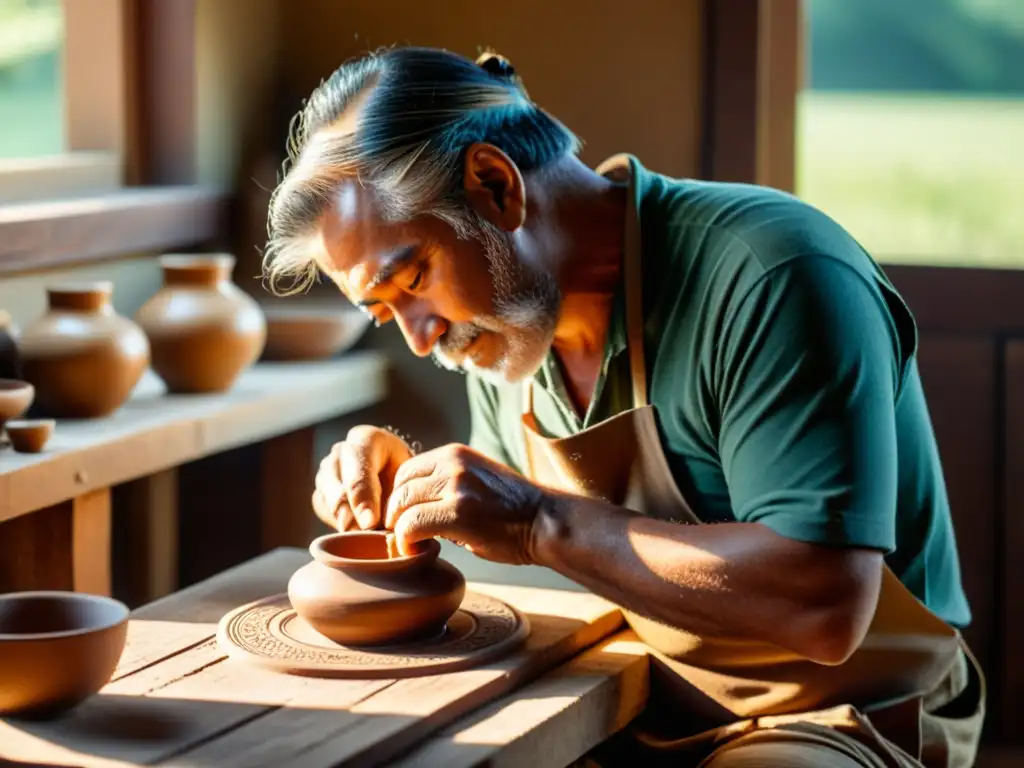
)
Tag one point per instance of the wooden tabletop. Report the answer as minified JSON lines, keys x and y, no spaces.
{"x":177,"y":700}
{"x":154,"y":431}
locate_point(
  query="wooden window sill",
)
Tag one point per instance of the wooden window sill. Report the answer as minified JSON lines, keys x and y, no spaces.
{"x":59,"y":233}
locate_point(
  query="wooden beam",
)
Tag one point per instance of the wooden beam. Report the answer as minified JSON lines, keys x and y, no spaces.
{"x":164,"y":128}
{"x":43,"y":235}
{"x":287,"y":481}
{"x":146,"y":510}
{"x":752,"y":70}
{"x":90,"y":542}
{"x":97,"y":63}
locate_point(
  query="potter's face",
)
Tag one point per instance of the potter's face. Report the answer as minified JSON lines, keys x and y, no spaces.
{"x":473,"y":303}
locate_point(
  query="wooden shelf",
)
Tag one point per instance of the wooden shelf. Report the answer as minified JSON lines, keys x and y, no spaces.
{"x":154,"y":431}
{"x":42,"y":235}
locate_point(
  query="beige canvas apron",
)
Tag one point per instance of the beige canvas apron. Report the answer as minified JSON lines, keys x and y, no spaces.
{"x":912,"y":693}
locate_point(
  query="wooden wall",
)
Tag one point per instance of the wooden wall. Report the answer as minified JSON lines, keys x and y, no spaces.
{"x":971,"y":325}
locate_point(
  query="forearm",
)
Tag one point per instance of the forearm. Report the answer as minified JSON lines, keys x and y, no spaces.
{"x":738,"y":580}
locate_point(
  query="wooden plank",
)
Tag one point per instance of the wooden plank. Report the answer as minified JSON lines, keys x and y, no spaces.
{"x":146,"y":511}
{"x":35,"y":551}
{"x":96,"y":63}
{"x":287,"y":476}
{"x":155,"y":431}
{"x":90,"y":542}
{"x":36,"y":235}
{"x":164,"y":126}
{"x":386,"y":722}
{"x":962,"y":300}
{"x":553,"y":721}
{"x":958,"y":375}
{"x":1011,"y":697}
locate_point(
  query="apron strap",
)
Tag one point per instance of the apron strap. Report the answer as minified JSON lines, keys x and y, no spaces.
{"x":633,"y":279}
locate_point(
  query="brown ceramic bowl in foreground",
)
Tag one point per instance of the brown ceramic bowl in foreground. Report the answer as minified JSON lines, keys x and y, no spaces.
{"x":29,"y":435}
{"x":15,"y":398}
{"x":353,"y":594}
{"x":57,"y":649}
{"x":311,"y":333}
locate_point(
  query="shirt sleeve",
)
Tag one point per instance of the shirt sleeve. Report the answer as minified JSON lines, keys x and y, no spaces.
{"x":485,"y":434}
{"x":807,"y":379}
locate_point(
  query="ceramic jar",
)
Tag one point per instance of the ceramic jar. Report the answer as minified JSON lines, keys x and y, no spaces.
{"x":83,"y":358}
{"x":10,"y":359}
{"x":353,"y":594}
{"x":204,"y":329}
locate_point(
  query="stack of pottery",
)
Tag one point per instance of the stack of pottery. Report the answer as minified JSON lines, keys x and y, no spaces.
{"x":82,"y":357}
{"x":204,"y":330}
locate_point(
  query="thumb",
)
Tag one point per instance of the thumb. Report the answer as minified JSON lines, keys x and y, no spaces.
{"x":423,"y":521}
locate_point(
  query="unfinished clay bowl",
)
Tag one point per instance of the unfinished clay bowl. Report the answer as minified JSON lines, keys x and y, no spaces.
{"x":83,"y":358}
{"x":29,"y":435}
{"x":204,"y":329}
{"x":15,"y":398}
{"x":57,"y":649}
{"x":306,"y":332}
{"x":353,"y":594}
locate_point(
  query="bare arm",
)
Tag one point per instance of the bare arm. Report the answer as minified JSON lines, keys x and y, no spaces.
{"x":732,"y":579}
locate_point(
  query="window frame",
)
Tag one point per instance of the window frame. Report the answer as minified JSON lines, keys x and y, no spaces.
{"x":125,"y":180}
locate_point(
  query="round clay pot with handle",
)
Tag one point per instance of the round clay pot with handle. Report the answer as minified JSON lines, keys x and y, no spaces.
{"x":204,"y":330}
{"x":82,"y":357}
{"x":354,"y":594}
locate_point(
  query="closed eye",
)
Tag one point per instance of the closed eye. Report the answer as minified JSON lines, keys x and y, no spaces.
{"x":416,"y":281}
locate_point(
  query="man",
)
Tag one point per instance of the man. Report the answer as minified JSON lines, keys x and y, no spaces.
{"x":647,"y":356}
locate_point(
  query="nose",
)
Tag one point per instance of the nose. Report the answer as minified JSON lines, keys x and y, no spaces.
{"x":420,"y":327}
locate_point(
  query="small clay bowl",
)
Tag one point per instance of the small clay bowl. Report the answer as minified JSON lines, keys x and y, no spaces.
{"x":354,"y":594}
{"x":57,"y":649}
{"x":15,"y":398}
{"x":29,"y":435}
{"x":301,"y":332}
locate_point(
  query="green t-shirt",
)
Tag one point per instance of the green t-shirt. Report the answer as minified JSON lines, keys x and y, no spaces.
{"x":781,"y":365}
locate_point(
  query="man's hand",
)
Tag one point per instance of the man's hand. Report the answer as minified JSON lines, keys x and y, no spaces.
{"x":458,"y":494}
{"x":356,"y":478}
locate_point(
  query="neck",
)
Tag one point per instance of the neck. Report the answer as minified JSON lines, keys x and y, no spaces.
{"x":588,"y":213}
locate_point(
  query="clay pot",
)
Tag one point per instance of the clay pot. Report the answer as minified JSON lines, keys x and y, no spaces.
{"x":10,"y":358}
{"x":203,"y":328}
{"x":15,"y":398}
{"x":83,"y":358}
{"x":30,"y":435}
{"x":310,"y":332}
{"x":57,"y":649}
{"x":353,"y":594}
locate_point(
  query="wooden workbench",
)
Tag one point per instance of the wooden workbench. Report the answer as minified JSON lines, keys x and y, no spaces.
{"x":177,"y":700}
{"x":55,"y":507}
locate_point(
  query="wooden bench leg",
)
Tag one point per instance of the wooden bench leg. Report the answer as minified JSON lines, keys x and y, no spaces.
{"x":147,"y":508}
{"x":288,"y":470}
{"x":90,"y":542}
{"x":65,"y":546}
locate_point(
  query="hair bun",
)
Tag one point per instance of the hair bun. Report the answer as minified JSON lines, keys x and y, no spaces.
{"x":497,"y":65}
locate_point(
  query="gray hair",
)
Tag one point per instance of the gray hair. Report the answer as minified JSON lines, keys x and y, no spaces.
{"x":414,"y":113}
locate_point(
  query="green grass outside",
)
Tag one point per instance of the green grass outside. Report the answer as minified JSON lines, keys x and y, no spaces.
{"x":927,"y":180}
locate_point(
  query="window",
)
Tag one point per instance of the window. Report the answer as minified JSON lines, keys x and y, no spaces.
{"x":911,"y":127}
{"x":60,"y":137}
{"x":31,"y":103}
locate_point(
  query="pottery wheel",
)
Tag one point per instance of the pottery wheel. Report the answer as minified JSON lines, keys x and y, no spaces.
{"x":268,"y":633}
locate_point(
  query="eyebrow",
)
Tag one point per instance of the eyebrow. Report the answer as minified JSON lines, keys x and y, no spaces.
{"x":391,"y":264}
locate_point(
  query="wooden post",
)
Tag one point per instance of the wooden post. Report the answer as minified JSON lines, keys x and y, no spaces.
{"x":147,"y":511}
{"x":65,"y":547}
{"x":287,"y":485}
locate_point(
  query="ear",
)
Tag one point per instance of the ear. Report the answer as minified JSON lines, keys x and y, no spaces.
{"x":494,"y":186}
